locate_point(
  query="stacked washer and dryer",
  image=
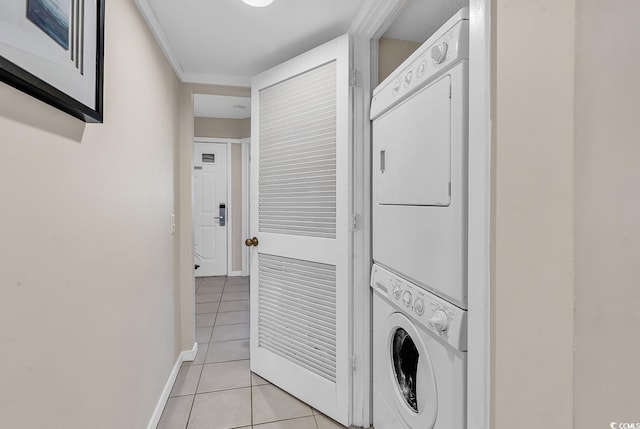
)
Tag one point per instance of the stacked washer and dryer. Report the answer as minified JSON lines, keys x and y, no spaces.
{"x":419,"y":276}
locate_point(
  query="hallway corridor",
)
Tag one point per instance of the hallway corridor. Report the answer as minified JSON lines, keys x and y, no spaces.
{"x":218,"y":390}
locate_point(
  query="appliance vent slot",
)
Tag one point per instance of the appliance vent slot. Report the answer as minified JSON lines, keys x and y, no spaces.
{"x":297,"y":312}
{"x":297,"y":170}
{"x":209,"y":158}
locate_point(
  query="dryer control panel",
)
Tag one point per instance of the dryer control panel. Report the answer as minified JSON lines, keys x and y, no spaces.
{"x":442,"y":318}
{"x":448,"y":46}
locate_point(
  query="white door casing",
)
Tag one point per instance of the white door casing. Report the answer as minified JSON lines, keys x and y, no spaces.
{"x":210,"y":193}
{"x":301,"y":193}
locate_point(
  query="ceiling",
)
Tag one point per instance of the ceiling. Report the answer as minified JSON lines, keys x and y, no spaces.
{"x":226,"y":42}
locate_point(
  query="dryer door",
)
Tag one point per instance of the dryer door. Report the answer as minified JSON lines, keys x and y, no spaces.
{"x":411,"y":374}
{"x":412,"y":149}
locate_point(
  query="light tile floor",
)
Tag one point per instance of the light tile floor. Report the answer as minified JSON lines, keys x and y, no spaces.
{"x":218,"y":390}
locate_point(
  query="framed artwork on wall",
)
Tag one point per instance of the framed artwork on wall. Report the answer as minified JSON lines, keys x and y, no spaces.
{"x":54,"y":50}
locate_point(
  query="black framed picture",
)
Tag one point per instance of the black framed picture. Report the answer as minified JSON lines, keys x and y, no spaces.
{"x":54,"y":51}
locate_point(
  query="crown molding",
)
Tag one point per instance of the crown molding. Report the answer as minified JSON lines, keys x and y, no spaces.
{"x":163,"y":41}
{"x":158,"y":32}
{"x":375,"y":17}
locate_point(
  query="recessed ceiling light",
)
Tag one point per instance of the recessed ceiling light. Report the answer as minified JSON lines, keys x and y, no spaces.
{"x":258,"y":3}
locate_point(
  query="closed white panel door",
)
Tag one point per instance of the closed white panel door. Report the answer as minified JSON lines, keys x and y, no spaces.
{"x":210,"y":208}
{"x":301,"y":200}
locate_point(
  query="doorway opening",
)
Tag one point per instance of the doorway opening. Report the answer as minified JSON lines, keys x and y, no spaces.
{"x":220,"y":185}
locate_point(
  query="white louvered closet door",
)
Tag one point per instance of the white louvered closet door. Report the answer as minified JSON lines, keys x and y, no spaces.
{"x":300,"y":205}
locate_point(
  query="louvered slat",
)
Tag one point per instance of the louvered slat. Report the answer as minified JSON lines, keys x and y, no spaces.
{"x":297,"y":312}
{"x":297,"y":171}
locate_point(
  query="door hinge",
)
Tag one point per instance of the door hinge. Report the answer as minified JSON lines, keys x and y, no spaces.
{"x":354,"y":363}
{"x":449,"y":92}
{"x":354,"y":78}
{"x":354,"y":222}
{"x":449,"y":188}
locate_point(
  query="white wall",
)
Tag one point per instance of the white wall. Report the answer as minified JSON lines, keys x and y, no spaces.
{"x":89,"y":323}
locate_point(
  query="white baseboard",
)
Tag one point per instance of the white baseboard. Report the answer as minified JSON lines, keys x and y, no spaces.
{"x":185,"y":356}
{"x":236,"y":274}
{"x":189,"y":355}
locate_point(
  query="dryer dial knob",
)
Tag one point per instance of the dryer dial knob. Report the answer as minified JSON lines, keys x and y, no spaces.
{"x":406,"y":298}
{"x":397,"y":292}
{"x":439,"y":52}
{"x":396,"y":87}
{"x":439,"y":321}
{"x":407,"y":78}
{"x":418,"y":306}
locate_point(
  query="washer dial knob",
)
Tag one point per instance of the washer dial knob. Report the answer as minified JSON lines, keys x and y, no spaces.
{"x":406,"y":298}
{"x":418,"y":306}
{"x":397,"y":292}
{"x":440,"y":321}
{"x":439,"y":52}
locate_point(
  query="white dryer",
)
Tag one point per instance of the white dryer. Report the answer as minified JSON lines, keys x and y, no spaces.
{"x":419,"y":357}
{"x":420,"y":139}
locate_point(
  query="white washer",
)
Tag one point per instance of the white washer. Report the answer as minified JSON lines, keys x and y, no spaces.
{"x":419,"y":357}
{"x":420,"y":146}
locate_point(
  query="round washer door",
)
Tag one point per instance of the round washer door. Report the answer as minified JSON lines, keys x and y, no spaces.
{"x":415,"y":395}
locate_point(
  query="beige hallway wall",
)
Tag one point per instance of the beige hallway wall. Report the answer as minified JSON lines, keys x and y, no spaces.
{"x":222,"y":128}
{"x":532,"y":197}
{"x":391,"y":53}
{"x":607,"y":213}
{"x":88,"y":316}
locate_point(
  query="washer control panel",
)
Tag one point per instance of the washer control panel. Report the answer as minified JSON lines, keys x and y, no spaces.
{"x":443,"y":50}
{"x":439,"y":316}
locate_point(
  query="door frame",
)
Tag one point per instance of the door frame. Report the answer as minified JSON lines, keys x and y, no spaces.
{"x":245,"y":199}
{"x":480,"y":207}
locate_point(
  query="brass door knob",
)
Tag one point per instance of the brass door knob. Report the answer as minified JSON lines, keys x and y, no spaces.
{"x":251,"y":242}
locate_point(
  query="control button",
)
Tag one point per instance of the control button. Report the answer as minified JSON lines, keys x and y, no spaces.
{"x":406,"y":298}
{"x":407,"y":78}
{"x":439,"y":52}
{"x":397,"y":292}
{"x":418,"y":306}
{"x":396,"y":87}
{"x":421,"y":69}
{"x":440,"y":321}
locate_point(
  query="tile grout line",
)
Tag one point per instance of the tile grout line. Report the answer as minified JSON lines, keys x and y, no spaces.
{"x":250,"y":375}
{"x":190,"y":410}
{"x":209,"y":343}
{"x":195,"y":394}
